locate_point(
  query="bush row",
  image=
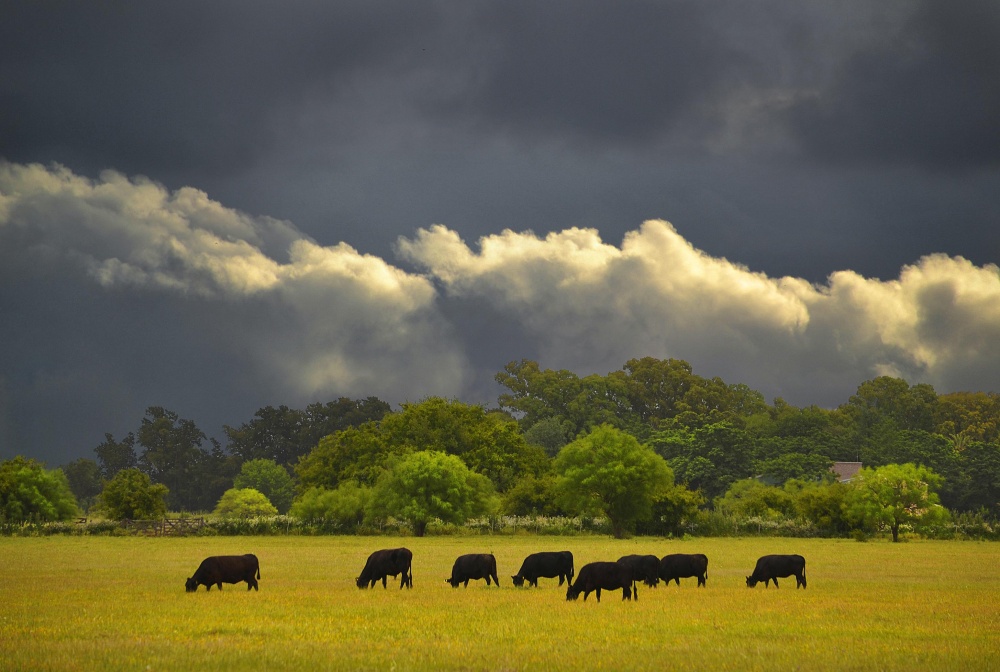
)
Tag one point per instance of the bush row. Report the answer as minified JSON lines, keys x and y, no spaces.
{"x":971,"y":525}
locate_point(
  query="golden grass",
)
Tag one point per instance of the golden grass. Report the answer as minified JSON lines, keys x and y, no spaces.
{"x":89,"y":603}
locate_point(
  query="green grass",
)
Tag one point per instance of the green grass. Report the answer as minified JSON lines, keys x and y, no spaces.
{"x":88,"y":603}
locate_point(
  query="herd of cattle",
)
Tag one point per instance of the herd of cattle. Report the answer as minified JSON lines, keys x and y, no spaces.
{"x":594,"y":577}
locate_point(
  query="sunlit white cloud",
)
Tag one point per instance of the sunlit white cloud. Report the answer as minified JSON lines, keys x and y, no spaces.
{"x":592,"y":306}
{"x":329,"y":320}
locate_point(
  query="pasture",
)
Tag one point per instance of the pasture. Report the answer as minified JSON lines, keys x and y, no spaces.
{"x":89,"y":603}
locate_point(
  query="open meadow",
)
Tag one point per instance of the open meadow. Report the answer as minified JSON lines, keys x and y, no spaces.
{"x":89,"y":603}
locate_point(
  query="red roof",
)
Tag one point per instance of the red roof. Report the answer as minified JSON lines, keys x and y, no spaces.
{"x":845,"y":470}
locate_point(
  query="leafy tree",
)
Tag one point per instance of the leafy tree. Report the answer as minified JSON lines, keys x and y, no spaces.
{"x":243,"y":502}
{"x":270,"y":479}
{"x":672,"y":511}
{"x":285,"y":435}
{"x":428,"y":484}
{"x":751,"y":498}
{"x":356,"y":453}
{"x":822,"y":504}
{"x":708,"y":458}
{"x":114,"y":456}
{"x":795,"y":465}
{"x":973,"y":415}
{"x":30,"y":491}
{"x":980,"y":469}
{"x":489,"y":443}
{"x":346,"y":505}
{"x":131,"y":495}
{"x":532,"y":496}
{"x":84,"y":478}
{"x":608,"y":471}
{"x":173,"y":455}
{"x":548,"y":434}
{"x":896,"y":495}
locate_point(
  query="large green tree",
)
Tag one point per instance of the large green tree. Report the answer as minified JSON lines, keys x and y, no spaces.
{"x":357,"y":454}
{"x":430,"y":484}
{"x":895,"y":495}
{"x":132,"y":495}
{"x":29,"y":491}
{"x":174,"y":456}
{"x":608,"y":471}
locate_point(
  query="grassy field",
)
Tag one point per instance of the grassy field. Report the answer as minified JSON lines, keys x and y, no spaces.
{"x":89,"y":603}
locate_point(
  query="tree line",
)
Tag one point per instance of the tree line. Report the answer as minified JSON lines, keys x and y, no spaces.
{"x":651,"y":447}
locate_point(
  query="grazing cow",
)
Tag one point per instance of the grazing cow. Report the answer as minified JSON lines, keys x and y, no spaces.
{"x":473,"y":566}
{"x":598,"y":576}
{"x":645,"y":568}
{"x":547,"y":564}
{"x":385,"y":563}
{"x":683,"y":565}
{"x":220,"y":569}
{"x":770,"y":567}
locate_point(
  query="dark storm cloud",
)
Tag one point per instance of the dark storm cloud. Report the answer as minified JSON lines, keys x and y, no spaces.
{"x":593,"y":70}
{"x":282,"y":247}
{"x":180,"y":87}
{"x":928,"y":94}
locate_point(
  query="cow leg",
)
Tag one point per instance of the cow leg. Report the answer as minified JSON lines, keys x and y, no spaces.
{"x":598,"y":591}
{"x":466,"y":583}
{"x":775,"y":582}
{"x":385,"y":581}
{"x":561,"y":577}
{"x":497,"y":581}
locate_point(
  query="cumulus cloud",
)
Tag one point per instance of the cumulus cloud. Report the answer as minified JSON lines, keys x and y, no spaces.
{"x":310,"y":320}
{"x":592,"y":306}
{"x":328,"y":320}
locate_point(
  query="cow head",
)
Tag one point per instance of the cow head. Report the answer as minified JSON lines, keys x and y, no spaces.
{"x":751,"y":582}
{"x":360,"y":583}
{"x":572,"y":593}
{"x":454,"y":582}
{"x":518,"y":580}
{"x":191,"y":585}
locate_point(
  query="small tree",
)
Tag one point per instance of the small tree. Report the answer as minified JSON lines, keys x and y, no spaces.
{"x":896,"y":495}
{"x":429,"y":484}
{"x":610,"y":472}
{"x":269,"y":478}
{"x":30,"y":491}
{"x":131,"y":495}
{"x":241,"y":502}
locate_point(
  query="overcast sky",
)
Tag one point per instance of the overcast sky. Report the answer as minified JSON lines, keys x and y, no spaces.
{"x":213,"y":207}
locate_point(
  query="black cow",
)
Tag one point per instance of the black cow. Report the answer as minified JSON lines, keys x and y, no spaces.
{"x":548,"y":565}
{"x":770,"y":567}
{"x":473,"y":566}
{"x":598,"y":576}
{"x":220,"y":569}
{"x":385,"y":563}
{"x":645,"y":568}
{"x":679,"y":566}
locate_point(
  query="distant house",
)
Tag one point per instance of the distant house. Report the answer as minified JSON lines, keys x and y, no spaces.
{"x":845,"y":471}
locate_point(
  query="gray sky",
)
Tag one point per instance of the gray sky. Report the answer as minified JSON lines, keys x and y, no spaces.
{"x":213,"y":207}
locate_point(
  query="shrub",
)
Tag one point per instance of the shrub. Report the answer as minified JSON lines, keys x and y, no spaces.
{"x":244,"y":502}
